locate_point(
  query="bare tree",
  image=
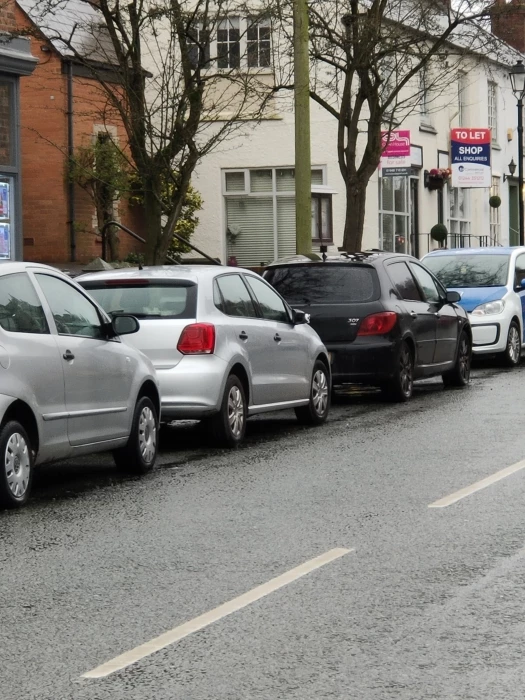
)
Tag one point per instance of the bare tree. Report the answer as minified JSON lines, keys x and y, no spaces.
{"x":174,"y":73}
{"x":374,"y":62}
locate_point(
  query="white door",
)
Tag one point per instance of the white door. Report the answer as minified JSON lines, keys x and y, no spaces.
{"x":98,"y":373}
{"x":287,"y":363}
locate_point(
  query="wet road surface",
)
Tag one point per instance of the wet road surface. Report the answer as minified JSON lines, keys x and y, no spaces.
{"x":430,"y":602}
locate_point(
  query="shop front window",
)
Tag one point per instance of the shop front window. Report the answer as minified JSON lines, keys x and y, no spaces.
{"x":393,"y":213}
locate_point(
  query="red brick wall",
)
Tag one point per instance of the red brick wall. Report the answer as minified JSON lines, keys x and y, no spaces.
{"x":7,"y":16}
{"x":43,"y":107}
{"x":508,"y":22}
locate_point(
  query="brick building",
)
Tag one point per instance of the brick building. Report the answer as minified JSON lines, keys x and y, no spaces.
{"x":61,"y":108}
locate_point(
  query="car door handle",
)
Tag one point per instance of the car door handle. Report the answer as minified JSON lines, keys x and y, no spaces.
{"x":277,"y":338}
{"x":68,"y":355}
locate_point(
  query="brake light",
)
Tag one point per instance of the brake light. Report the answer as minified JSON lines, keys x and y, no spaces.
{"x":197,"y":339}
{"x":378,"y":324}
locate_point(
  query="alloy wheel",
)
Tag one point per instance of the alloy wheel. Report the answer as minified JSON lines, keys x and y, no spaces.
{"x":320,"y":392}
{"x":235,"y":411}
{"x":147,"y":434}
{"x":17,"y":464}
{"x":464,"y":360}
{"x":513,"y":344}
{"x":405,"y":371}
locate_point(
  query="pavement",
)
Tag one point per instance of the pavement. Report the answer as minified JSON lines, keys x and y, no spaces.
{"x":428,"y":603}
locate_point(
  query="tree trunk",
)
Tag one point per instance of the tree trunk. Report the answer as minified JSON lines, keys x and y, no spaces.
{"x":354,"y":217}
{"x":153,"y":229}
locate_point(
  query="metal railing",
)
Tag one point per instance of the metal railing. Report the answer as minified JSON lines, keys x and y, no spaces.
{"x":134,"y":235}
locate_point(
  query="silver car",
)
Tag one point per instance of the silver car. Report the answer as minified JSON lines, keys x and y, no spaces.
{"x":69,"y":385}
{"x":224,"y":344}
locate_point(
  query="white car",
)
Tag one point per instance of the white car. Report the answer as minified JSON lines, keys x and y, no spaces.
{"x":491,"y":282}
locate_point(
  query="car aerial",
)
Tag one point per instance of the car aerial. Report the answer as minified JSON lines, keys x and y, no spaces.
{"x":69,"y":385}
{"x":383,"y":317}
{"x":224,"y":344}
{"x":491,"y":284}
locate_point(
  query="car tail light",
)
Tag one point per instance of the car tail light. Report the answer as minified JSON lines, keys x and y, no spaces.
{"x":378,"y":324}
{"x":197,"y":339}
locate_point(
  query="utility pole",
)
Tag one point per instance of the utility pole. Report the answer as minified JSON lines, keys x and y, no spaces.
{"x":303,"y":168}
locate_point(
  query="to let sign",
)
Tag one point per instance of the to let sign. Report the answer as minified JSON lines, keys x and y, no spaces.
{"x":470,"y":157}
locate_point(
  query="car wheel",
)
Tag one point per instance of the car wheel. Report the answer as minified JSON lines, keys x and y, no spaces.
{"x":512,"y":355}
{"x":140,"y":453}
{"x":460,"y":374}
{"x":401,"y":386}
{"x":228,"y":426}
{"x":16,"y":470}
{"x":316,"y":412}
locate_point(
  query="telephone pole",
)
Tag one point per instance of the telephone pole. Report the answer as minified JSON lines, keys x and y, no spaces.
{"x":303,"y":168}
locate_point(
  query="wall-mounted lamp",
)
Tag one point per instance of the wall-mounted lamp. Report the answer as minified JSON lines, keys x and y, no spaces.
{"x":45,"y":49}
{"x":512,"y":169}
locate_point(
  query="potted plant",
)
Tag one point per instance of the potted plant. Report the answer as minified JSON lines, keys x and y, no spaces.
{"x":436,"y":178}
{"x":439,"y":233}
{"x":495,"y":201}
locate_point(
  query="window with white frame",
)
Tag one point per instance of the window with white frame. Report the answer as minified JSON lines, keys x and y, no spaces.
{"x":424,"y":108}
{"x":238,"y":42}
{"x":258,"y":43}
{"x":459,"y":216}
{"x":493,"y":110}
{"x":229,"y":43}
{"x":495,"y":214}
{"x":393,"y":214}
{"x":462,"y":99}
{"x":198,"y":41}
{"x":260,"y":213}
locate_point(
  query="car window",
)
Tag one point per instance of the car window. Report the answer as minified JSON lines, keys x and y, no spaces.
{"x":427,"y":283}
{"x":469,"y":269}
{"x":403,"y":281}
{"x":272,"y":306}
{"x":144,"y":298}
{"x":234,"y":298}
{"x":73,"y":313}
{"x":325,"y":284}
{"x":20,"y":307}
{"x":520,"y":270}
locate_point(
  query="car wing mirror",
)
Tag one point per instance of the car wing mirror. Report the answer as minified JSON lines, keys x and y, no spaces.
{"x":124,"y":324}
{"x":453,"y":297}
{"x":300,"y":317}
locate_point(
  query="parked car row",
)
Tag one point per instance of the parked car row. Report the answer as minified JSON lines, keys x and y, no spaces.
{"x":99,"y":363}
{"x":97,"y":367}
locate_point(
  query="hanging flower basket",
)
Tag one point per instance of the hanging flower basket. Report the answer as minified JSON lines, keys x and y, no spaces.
{"x":437,"y":177}
{"x":495,"y":201}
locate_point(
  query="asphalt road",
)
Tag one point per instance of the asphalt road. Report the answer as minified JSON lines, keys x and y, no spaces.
{"x":429,"y":604}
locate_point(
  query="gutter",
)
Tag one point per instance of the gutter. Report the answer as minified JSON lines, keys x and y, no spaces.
{"x":70,"y":151}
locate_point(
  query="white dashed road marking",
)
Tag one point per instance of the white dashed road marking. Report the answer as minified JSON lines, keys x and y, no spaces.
{"x":478,"y":485}
{"x":198,"y":623}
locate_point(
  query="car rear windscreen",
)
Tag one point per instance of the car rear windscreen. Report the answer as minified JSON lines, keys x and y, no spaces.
{"x":325,"y":284}
{"x":470,"y":270}
{"x":145,"y":298}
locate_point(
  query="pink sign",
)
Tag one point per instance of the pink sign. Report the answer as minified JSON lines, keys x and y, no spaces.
{"x":395,"y":143}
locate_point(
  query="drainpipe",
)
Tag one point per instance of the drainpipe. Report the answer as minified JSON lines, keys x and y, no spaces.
{"x":70,"y":150}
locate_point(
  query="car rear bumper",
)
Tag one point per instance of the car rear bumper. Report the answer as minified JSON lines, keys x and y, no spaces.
{"x":192,"y":389}
{"x":369,"y":363}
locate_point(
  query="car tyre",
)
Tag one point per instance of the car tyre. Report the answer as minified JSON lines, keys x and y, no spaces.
{"x":459,"y":375}
{"x":139,"y":454}
{"x":512,"y":354}
{"x":316,"y":412}
{"x":401,"y":386}
{"x":16,"y":471}
{"x":228,"y":426}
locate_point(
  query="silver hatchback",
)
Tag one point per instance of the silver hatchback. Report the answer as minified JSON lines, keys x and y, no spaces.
{"x":69,"y":385}
{"x":224,"y":344}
